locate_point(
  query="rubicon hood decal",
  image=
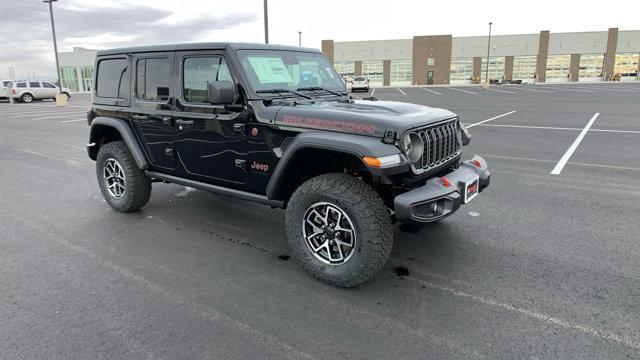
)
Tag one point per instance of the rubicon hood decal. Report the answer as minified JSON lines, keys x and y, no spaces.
{"x":370,"y":118}
{"x":344,"y":126}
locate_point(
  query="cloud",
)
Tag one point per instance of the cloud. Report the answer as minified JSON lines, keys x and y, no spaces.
{"x":25,"y":30}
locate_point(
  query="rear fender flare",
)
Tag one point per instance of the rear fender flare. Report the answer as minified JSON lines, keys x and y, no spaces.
{"x":123,"y":127}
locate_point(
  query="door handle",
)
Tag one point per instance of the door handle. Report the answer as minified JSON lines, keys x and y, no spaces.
{"x":184,"y":122}
{"x":239,"y":128}
{"x":140,"y":117}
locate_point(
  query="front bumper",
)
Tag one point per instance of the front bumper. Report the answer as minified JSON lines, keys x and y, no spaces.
{"x":434,"y":201}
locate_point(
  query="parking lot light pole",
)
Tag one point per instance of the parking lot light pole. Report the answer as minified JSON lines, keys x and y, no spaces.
{"x":266,"y":23}
{"x":488,"y":50}
{"x":55,"y":44}
{"x":299,"y":38}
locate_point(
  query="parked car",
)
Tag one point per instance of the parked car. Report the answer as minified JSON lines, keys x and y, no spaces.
{"x":360,"y":83}
{"x":27,"y":91}
{"x":3,"y":88}
{"x":276,"y":125}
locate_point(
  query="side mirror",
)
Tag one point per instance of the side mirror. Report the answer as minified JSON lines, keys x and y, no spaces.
{"x":220,"y":92}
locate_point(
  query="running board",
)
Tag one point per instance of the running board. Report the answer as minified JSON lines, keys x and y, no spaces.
{"x":215,"y":189}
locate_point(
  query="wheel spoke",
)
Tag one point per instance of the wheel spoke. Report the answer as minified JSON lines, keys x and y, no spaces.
{"x":114,"y":178}
{"x":329,"y":233}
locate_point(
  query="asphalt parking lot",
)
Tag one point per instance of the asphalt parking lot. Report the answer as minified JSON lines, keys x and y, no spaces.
{"x":541,"y":265}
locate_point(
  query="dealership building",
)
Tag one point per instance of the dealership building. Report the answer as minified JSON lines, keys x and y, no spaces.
{"x":444,"y":59}
{"x":76,"y":69}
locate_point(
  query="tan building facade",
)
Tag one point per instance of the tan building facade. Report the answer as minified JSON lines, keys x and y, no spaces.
{"x":444,"y":59}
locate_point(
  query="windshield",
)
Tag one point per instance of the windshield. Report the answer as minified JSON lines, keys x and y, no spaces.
{"x":290,"y":70}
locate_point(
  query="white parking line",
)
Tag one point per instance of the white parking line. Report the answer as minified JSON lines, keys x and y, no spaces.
{"x":465,"y":91}
{"x":45,"y":113}
{"x":403,"y":93}
{"x":74,"y":120}
{"x":607,"y":89}
{"x":563,"y":161}
{"x":564,"y":89}
{"x":527,"y":89}
{"x":533,"y":314}
{"x":568,"y":162}
{"x":493,"y":118}
{"x":503,"y":91}
{"x":558,"y":128}
{"x":433,"y":91}
{"x":372,"y":91}
{"x":55,"y":116}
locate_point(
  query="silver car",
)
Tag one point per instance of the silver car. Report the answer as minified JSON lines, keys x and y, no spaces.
{"x":27,"y":91}
{"x":360,"y":83}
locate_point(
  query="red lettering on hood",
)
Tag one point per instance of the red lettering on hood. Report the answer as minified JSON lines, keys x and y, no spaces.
{"x":344,"y":126}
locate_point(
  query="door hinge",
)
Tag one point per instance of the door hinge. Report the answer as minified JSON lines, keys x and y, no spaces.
{"x":169,"y":152}
{"x":242,"y":164}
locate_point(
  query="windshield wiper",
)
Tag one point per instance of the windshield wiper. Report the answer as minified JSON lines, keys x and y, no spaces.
{"x":278,"y":91}
{"x":317,"y":88}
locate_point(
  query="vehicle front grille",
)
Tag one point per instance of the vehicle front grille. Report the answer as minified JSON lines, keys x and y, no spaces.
{"x":442,"y":142}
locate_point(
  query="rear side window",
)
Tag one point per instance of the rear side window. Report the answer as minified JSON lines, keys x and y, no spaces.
{"x":153,"y":79}
{"x":34,"y":84}
{"x":112,"y":78}
{"x":198,"y":72}
{"x":47,"y":85}
{"x":21,"y":85}
{"x":6,"y":83}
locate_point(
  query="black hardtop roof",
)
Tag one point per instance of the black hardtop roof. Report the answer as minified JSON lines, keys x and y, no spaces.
{"x":202,"y":46}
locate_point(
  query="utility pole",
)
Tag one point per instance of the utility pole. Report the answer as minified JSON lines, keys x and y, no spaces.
{"x":488,"y":49}
{"x":55,"y":44}
{"x":299,"y":38}
{"x":266,"y":23}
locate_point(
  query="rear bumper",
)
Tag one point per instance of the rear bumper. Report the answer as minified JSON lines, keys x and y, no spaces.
{"x":434,"y":200}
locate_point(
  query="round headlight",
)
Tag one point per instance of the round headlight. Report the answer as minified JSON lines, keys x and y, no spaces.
{"x":412,"y":146}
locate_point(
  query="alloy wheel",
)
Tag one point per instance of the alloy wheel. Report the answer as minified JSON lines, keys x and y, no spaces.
{"x":329,"y":233}
{"x":114,"y":178}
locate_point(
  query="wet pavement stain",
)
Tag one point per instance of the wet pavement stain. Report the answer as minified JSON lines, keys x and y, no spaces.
{"x":401,"y":271}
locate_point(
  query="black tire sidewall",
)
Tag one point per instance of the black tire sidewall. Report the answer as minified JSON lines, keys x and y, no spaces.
{"x":368,"y":256}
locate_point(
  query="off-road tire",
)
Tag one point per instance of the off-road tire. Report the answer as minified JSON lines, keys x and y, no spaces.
{"x":137,"y":186}
{"x":26,"y":98}
{"x":368,"y":214}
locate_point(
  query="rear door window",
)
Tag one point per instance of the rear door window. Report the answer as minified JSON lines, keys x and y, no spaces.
{"x":34,"y":84}
{"x":112,"y":79}
{"x":153,"y":79}
{"x":21,"y":85}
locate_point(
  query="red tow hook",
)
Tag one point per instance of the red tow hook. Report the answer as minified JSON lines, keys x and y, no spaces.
{"x":445,"y":182}
{"x":477,"y":163}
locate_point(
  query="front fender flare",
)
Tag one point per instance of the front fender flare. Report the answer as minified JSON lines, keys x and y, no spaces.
{"x":356,"y":145}
{"x":123,"y":127}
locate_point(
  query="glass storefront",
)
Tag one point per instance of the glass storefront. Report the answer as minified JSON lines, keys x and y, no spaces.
{"x":86,"y":75}
{"x":401,"y":72}
{"x":496,"y":68}
{"x":69,"y":77}
{"x":346,"y":69}
{"x":372,"y":69}
{"x":461,"y":70}
{"x":558,"y":67}
{"x":627,"y":65}
{"x":524,"y":68}
{"x":591,"y":66}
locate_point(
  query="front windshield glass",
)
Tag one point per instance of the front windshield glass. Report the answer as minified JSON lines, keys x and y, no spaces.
{"x":290,"y":70}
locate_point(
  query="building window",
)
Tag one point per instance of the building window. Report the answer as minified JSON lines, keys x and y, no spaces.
{"x":524,"y":67}
{"x":558,"y":66}
{"x":346,"y":69}
{"x":496,"y":68}
{"x":461,"y":69}
{"x":69,"y":77}
{"x":626,"y":64}
{"x":591,"y":65}
{"x":86,"y":75}
{"x":373,"y":71}
{"x":401,"y":72}
{"x":431,"y":61}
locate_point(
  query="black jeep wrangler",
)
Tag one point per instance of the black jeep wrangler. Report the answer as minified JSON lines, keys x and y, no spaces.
{"x":276,"y":125}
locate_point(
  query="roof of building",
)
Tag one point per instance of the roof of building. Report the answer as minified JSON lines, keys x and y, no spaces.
{"x":203,"y":46}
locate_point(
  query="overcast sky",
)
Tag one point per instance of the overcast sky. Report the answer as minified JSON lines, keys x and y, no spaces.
{"x":25,"y":33}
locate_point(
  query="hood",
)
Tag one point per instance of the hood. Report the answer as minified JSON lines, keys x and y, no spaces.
{"x":363,"y":117}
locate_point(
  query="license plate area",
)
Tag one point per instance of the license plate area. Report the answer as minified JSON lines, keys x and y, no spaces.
{"x":471,"y":189}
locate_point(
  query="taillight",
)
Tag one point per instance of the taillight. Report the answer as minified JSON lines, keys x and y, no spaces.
{"x":13,"y":91}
